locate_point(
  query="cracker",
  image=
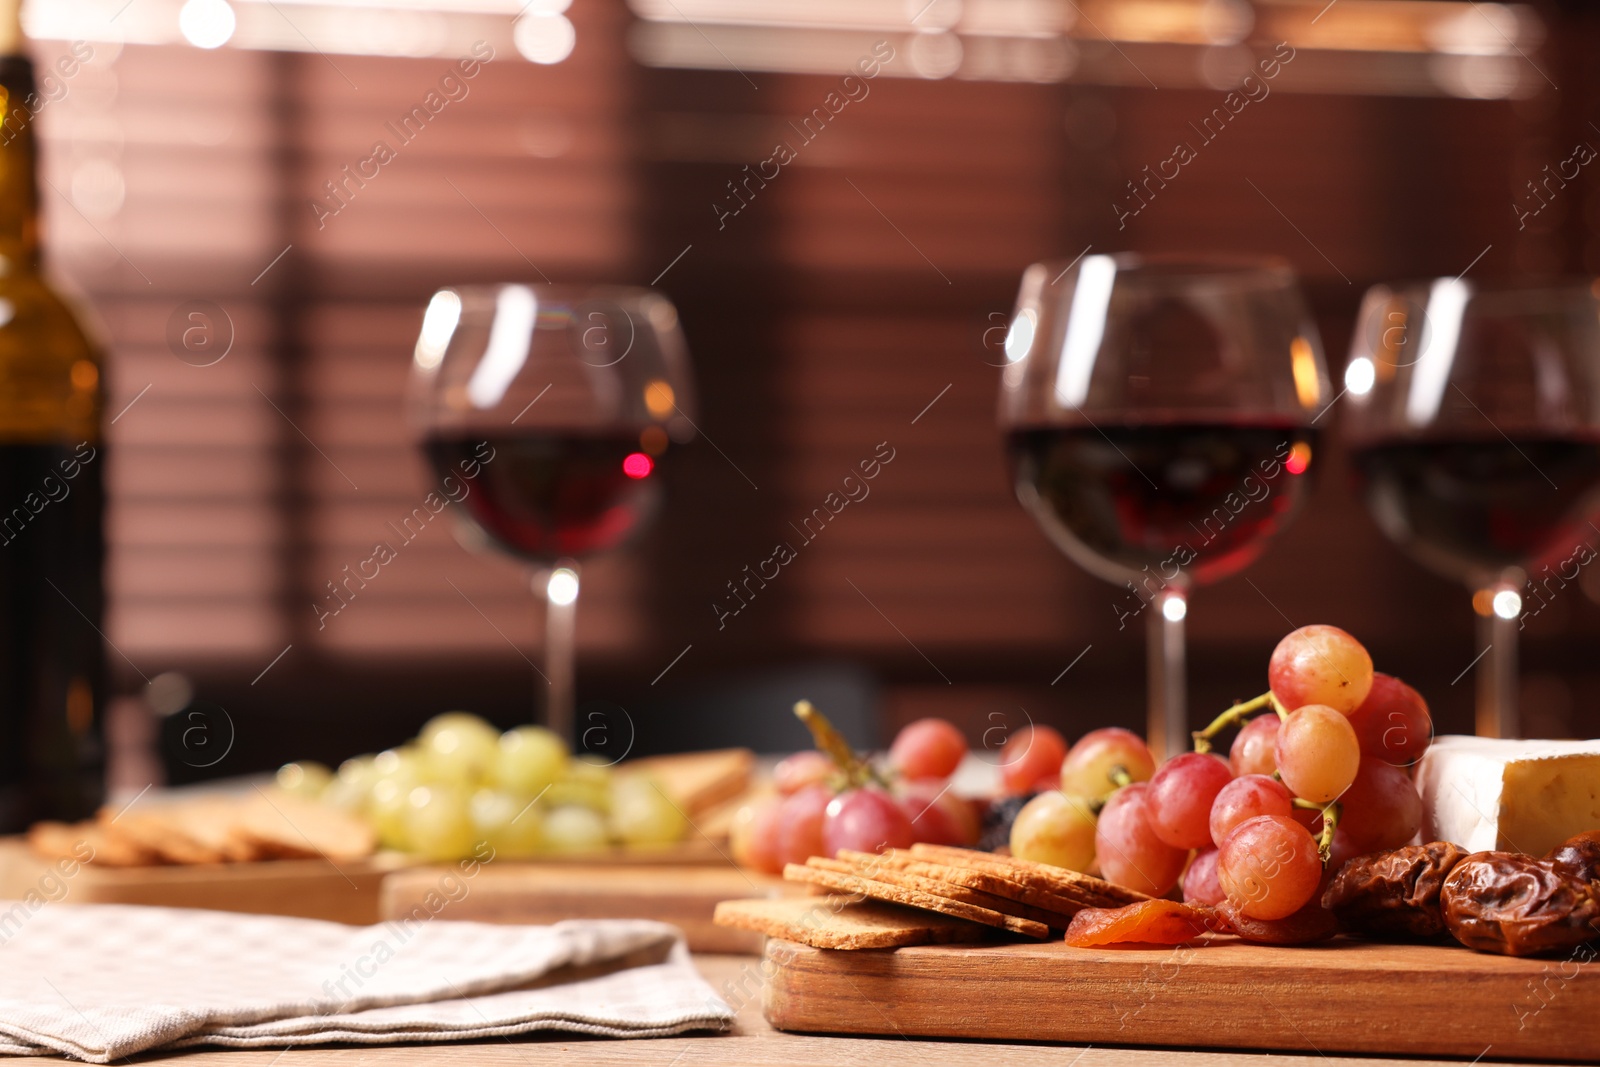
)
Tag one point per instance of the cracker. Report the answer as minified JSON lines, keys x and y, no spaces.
{"x":214,"y":824}
{"x":894,"y":894}
{"x":64,"y":841}
{"x":157,"y":830}
{"x":846,"y":922}
{"x":929,"y":878}
{"x":288,"y":827}
{"x":1039,"y":875}
{"x":1065,"y":903}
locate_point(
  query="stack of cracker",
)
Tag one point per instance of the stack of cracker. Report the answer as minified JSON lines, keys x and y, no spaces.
{"x":262,"y":825}
{"x":928,"y":894}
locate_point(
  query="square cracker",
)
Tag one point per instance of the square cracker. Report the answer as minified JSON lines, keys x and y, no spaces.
{"x":929,"y":878}
{"x":894,"y":894}
{"x":1038,"y":875}
{"x":1066,"y":903}
{"x":846,"y":922}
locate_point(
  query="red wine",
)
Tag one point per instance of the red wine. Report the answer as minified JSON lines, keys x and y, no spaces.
{"x":1200,"y":498}
{"x":52,"y":665}
{"x":543,"y":496}
{"x":1470,"y":508}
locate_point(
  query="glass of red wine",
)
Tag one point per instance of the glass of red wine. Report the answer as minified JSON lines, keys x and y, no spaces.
{"x":1159,"y":415}
{"x":1475,"y":427}
{"x":550,"y":408}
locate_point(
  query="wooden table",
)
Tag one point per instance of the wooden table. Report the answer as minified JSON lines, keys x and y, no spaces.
{"x":752,"y":1042}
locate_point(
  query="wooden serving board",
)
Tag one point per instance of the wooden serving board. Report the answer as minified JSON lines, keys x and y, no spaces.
{"x":311,"y":889}
{"x":1344,"y":996}
{"x":506,"y":891}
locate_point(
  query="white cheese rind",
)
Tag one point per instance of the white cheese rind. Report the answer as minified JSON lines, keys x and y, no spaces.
{"x":1553,"y":792}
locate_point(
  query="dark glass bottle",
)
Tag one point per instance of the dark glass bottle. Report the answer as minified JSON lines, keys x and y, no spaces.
{"x":52,"y":500}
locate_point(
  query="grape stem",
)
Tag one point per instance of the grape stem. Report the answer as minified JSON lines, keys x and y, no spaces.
{"x":1331,"y":811}
{"x":1119,"y":776}
{"x":1277,"y":705}
{"x":1232,"y":717}
{"x":831,"y":742}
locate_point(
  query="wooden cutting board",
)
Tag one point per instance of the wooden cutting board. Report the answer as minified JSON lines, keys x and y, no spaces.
{"x":1344,"y":996}
{"x":311,"y":889}
{"x":509,"y":892}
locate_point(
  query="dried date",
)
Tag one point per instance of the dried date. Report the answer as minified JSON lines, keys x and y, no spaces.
{"x":1394,"y":893}
{"x":1580,"y":855}
{"x":1516,"y":905}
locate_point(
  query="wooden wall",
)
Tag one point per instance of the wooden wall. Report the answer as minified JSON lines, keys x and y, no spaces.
{"x":852,"y":302}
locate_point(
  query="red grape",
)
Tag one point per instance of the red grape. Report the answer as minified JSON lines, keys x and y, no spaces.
{"x":1087,"y":768}
{"x":1381,"y":809}
{"x":865,"y":820}
{"x":1311,"y":923}
{"x":800,"y":824}
{"x":1245,"y":798}
{"x":1342,"y":851}
{"x":1393,"y":723}
{"x":928,"y":748}
{"x":1317,"y":753}
{"x":938,"y":816}
{"x":795,"y":772}
{"x":1269,"y":867}
{"x":1320,"y":665}
{"x":1128,"y":849}
{"x":1200,"y":885}
{"x":1032,"y":753}
{"x":1181,"y":795}
{"x":753,"y":837}
{"x":1253,"y":749}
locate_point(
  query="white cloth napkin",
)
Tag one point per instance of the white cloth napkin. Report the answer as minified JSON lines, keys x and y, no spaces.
{"x":102,"y":981}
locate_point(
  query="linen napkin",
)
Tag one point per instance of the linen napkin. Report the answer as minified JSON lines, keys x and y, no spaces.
{"x":99,"y":982}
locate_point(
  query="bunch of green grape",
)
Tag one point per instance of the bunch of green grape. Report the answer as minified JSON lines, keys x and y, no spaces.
{"x":460,"y":782}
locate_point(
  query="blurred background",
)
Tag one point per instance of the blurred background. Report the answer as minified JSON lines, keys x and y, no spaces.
{"x":261,"y":298}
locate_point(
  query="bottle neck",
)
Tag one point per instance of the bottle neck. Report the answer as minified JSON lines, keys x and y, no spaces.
{"x":19,"y":155}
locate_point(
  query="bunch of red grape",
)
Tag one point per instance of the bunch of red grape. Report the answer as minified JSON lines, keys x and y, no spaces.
{"x":1319,"y":776}
{"x":832,"y":799}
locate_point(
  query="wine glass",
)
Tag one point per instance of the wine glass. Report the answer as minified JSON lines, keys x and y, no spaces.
{"x":549,"y":408}
{"x":1475,"y":427}
{"x":1159,"y":415}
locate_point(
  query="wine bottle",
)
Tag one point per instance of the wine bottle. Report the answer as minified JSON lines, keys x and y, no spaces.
{"x":52,"y":465}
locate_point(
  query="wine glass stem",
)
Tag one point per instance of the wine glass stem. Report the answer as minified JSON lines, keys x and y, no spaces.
{"x":1497,"y":680}
{"x":560,"y":589}
{"x":1168,"y":725}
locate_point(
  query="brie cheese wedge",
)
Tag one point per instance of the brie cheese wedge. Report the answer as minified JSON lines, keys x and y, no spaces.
{"x":1488,"y":794}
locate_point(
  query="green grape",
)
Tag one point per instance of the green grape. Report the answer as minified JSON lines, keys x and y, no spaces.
{"x":387,"y":809}
{"x":456,"y":720}
{"x":438,"y":824}
{"x":573,"y":829}
{"x":400,"y":766}
{"x":570,"y":794}
{"x":587,"y":784}
{"x":305,"y":778}
{"x":358,"y":770}
{"x":458,"y":748}
{"x":346,"y":795}
{"x":590,"y":769}
{"x":529,"y":759}
{"x":351,"y":788}
{"x":642,"y":815}
{"x":509,"y":822}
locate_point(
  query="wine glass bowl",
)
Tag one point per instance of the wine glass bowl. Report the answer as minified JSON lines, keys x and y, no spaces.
{"x":1159,"y":417}
{"x":561,"y":401}
{"x":1474,"y":426}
